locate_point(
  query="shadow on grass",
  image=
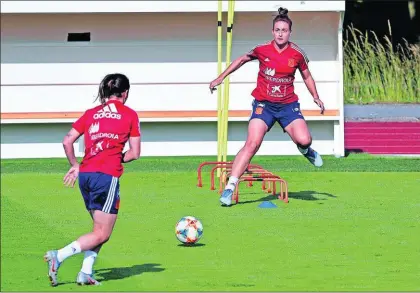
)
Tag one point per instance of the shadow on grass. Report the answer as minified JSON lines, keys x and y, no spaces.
{"x":191,"y":245}
{"x":126,"y":272}
{"x":300,"y":195}
{"x":348,"y":152}
{"x":309,"y":195}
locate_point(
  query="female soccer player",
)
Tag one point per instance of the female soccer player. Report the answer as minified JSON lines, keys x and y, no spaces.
{"x":275,"y":99}
{"x":106,"y":129}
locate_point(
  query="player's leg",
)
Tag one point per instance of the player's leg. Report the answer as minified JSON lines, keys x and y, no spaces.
{"x":103,"y":225}
{"x":102,"y":196}
{"x":103,"y":204}
{"x":89,"y":258}
{"x":54,"y":258}
{"x":260,"y":123}
{"x":257,"y":129}
{"x":294,"y":124}
{"x":104,"y":210}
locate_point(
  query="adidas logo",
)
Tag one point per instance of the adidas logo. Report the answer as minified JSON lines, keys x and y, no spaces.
{"x":94,"y":128}
{"x":266,"y":60}
{"x":109,"y":111}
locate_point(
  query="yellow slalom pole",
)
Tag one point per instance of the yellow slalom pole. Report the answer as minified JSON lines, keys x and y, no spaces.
{"x":231,"y":10}
{"x":219,"y":92}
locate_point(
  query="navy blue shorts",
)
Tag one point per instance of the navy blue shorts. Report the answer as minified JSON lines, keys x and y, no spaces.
{"x":100,"y":191}
{"x":270,"y":112}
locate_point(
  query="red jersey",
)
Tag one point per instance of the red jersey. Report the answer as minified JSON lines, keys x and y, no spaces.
{"x":106,"y":130}
{"x":277,"y":72}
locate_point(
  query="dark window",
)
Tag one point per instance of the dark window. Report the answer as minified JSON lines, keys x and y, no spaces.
{"x":78,"y":37}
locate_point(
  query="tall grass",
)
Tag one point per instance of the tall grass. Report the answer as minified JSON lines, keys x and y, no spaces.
{"x":378,"y":72}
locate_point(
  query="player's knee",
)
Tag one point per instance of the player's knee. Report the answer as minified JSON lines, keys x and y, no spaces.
{"x":304,"y":141}
{"x":103,"y":236}
{"x":252,"y":147}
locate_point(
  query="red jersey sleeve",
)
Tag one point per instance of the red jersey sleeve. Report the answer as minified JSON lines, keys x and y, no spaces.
{"x":254,"y":53}
{"x":80,"y":124}
{"x":135,"y":126}
{"x":303,"y":62}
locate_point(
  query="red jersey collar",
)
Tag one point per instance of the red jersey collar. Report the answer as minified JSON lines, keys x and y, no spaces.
{"x":274,"y":47}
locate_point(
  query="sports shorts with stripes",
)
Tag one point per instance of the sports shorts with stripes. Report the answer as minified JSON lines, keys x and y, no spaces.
{"x":100,"y":191}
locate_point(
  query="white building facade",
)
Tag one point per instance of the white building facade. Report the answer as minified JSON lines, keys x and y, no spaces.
{"x":168,"y":49}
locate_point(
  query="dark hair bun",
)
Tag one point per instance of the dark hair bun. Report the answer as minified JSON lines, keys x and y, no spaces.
{"x":283,"y":11}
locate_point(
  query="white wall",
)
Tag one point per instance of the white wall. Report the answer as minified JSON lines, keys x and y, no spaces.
{"x":162,"y":6}
{"x":170,"y":59}
{"x":159,"y":139}
{"x":169,"y":48}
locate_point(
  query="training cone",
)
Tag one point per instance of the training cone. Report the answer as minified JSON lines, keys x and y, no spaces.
{"x":267,"y":205}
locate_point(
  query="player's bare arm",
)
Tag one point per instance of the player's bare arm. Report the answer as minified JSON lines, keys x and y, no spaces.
{"x":134,"y":149}
{"x":235,"y":65}
{"x":310,"y":84}
{"x":68,"y":141}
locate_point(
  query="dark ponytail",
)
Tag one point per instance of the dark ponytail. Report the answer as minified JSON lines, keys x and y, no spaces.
{"x":283,"y":11}
{"x":112,"y":85}
{"x":282,"y":16}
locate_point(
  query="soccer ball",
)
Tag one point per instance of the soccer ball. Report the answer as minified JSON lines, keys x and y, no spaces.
{"x":189,"y":230}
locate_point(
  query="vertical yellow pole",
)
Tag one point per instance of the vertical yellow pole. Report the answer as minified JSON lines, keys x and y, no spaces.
{"x":219,"y":92}
{"x":225,"y":113}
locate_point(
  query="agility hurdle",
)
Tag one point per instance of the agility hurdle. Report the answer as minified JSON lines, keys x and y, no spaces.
{"x":252,"y":173}
{"x":219,"y":165}
{"x":200,"y":167}
{"x":284,"y":193}
{"x":260,"y":173}
{"x":229,"y":167}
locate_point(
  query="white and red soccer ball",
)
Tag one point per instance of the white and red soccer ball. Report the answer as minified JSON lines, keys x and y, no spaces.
{"x":189,"y":230}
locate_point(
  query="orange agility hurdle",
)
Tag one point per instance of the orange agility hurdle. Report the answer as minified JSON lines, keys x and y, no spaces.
{"x":250,"y":166}
{"x":200,"y":167}
{"x":220,"y":164}
{"x":255,"y":172}
{"x":252,"y":173}
{"x":284,"y":194}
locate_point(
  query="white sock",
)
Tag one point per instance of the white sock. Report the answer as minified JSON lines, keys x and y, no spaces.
{"x":88,"y":261}
{"x":303,"y":151}
{"x":232,"y":183}
{"x":69,"y":250}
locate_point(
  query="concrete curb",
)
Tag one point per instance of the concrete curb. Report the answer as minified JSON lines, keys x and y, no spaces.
{"x":383,"y":112}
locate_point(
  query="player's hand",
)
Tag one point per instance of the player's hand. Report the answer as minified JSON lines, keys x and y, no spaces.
{"x":71,"y":176}
{"x":320,"y":104}
{"x":215,"y":83}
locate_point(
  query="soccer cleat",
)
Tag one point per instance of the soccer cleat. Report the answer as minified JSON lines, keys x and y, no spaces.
{"x":85,"y":279}
{"x":226,"y":197}
{"x":53,"y":264}
{"x":314,"y":157}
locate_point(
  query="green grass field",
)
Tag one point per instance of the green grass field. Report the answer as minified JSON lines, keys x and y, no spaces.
{"x":354,"y":225}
